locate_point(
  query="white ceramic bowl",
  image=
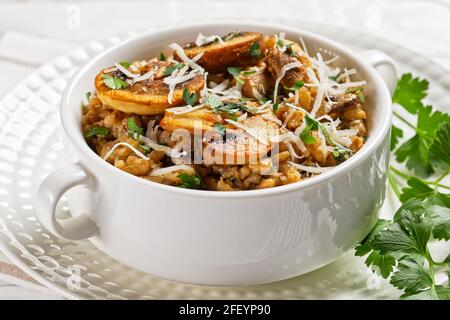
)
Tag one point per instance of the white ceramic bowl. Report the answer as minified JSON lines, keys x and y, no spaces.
{"x":211,"y":237}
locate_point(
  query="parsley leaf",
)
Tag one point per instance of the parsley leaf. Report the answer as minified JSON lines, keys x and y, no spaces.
{"x":236,"y":73}
{"x":394,"y":239}
{"x":439,"y":217}
{"x":254,"y":50}
{"x":340,"y":155}
{"x":189,"y":97}
{"x":146,"y":148}
{"x":416,"y":151}
{"x":419,"y":190}
{"x":125,"y":64}
{"x":169,"y":70}
{"x":213,"y":101}
{"x":411,"y":217}
{"x":396,"y":134}
{"x":232,"y":35}
{"x":248,"y":73}
{"x":409,"y":92}
{"x":162,"y":57}
{"x":88,"y":96}
{"x":440,"y":147}
{"x":114,"y":82}
{"x":297,"y":85}
{"x":280,"y":43}
{"x":306,"y":135}
{"x":381,"y":263}
{"x":134,"y":127}
{"x":96,"y":131}
{"x":190,"y":182}
{"x":411,"y":276}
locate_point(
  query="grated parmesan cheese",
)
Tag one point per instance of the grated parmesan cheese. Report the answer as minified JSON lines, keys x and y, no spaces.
{"x":190,"y":62}
{"x":163,"y":171}
{"x":284,"y":69}
{"x":309,"y":169}
{"x":125,"y":144}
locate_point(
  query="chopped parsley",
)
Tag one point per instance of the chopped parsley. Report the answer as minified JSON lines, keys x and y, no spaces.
{"x":125,"y":64}
{"x":233,"y":107}
{"x":334,"y":78}
{"x":254,"y":50}
{"x":359,"y":91}
{"x":340,"y":154}
{"x":88,"y":96}
{"x":280,"y":44}
{"x":248,"y":73}
{"x":297,"y":85}
{"x":162,"y":57}
{"x":305,"y":135}
{"x":169,"y":70}
{"x":189,"y":97}
{"x":133,"y":127}
{"x":232,"y":35}
{"x":236,"y":73}
{"x":96,"y":131}
{"x":146,"y":148}
{"x":190,"y":182}
{"x":114,"y":82}
{"x":213,"y":101}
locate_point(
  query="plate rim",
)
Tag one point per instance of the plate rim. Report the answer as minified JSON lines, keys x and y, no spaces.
{"x":5,"y":248}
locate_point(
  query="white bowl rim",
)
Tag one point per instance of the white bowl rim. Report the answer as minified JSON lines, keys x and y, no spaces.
{"x":369,"y":147}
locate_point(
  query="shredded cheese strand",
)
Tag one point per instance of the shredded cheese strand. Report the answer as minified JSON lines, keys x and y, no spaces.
{"x":125,"y":144}
{"x":284,"y":69}
{"x":163,"y":171}
{"x":309,"y":169}
{"x":191,"y":63}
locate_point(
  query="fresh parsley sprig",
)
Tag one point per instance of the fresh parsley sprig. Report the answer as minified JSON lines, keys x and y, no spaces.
{"x":133,"y":127}
{"x":97,"y":132}
{"x":114,"y":82}
{"x":189,"y":97}
{"x":399,"y":248}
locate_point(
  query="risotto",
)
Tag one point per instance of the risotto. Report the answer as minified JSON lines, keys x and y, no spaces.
{"x":226,"y":113}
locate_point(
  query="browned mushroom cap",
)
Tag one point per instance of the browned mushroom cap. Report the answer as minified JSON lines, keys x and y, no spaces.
{"x":234,"y":52}
{"x":276,"y":59}
{"x":238,"y":146}
{"x":148,"y":97}
{"x":203,"y":119}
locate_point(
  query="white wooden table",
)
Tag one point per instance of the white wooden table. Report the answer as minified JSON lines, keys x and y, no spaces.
{"x":35,"y":31}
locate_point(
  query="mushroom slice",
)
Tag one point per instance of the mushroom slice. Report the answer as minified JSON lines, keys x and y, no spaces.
{"x":276,"y":59}
{"x":234,"y":52}
{"x":258,"y":84}
{"x":146,"y":97}
{"x":247,"y":143}
{"x":203,"y":119}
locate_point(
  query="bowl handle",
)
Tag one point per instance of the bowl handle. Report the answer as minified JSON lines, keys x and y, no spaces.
{"x":48,"y":195}
{"x":384,"y":65}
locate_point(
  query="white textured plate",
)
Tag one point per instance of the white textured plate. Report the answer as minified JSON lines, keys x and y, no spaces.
{"x":31,"y":147}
